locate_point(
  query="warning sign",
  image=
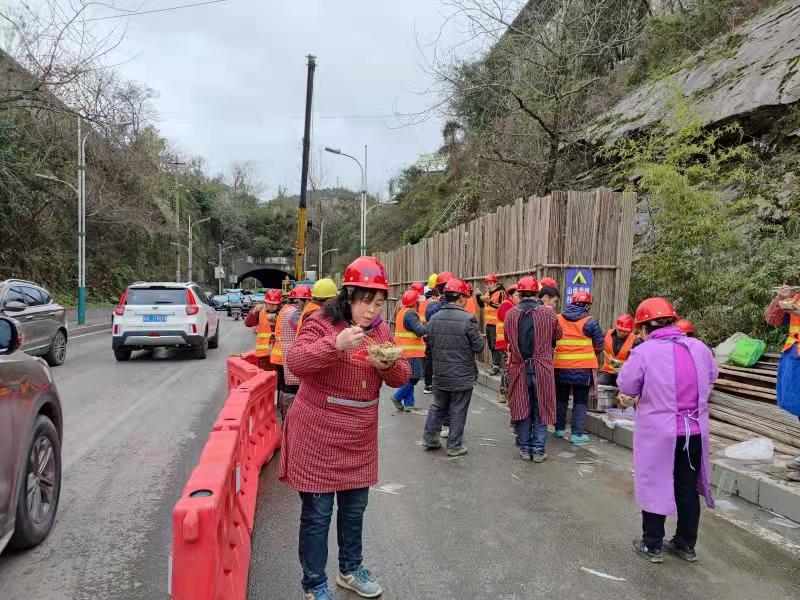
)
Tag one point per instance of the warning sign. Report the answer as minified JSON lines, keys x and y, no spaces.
{"x":577,"y":280}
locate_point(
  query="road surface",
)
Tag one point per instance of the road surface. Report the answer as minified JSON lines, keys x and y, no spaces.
{"x":485,"y":526}
{"x":132,"y":434}
{"x":489,"y":526}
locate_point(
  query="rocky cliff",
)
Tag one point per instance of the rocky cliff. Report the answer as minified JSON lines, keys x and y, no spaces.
{"x":751,"y":75}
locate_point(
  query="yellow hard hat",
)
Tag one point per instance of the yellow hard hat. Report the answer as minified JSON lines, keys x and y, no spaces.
{"x":324,"y":288}
{"x":432,"y":281}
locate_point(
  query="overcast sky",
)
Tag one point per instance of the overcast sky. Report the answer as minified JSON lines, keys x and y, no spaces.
{"x":231,"y":79}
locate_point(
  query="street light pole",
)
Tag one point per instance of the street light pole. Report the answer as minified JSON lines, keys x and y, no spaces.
{"x":322,"y":254}
{"x":363,"y":227}
{"x":221,"y":249}
{"x":191,"y":238}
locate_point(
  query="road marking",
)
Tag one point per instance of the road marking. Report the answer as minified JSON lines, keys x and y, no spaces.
{"x":75,"y":337}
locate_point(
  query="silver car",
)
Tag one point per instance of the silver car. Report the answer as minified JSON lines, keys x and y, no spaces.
{"x":44,"y":322}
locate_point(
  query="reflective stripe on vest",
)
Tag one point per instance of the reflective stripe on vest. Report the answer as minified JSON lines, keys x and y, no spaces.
{"x":574,"y":350}
{"x":794,"y":334}
{"x":490,"y":312}
{"x":472,"y":306}
{"x":412,"y":345}
{"x":263,"y":334}
{"x":423,"y":305}
{"x":624,"y":352}
{"x":500,"y":328}
{"x":307,"y":310}
{"x":276,"y":356}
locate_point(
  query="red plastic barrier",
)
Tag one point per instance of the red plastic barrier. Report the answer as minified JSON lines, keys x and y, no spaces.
{"x":239,"y":415}
{"x":210,"y":542}
{"x":266,"y":436}
{"x":251,"y":357}
{"x":239,"y":371}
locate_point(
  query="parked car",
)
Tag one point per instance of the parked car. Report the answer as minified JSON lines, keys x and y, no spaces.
{"x":30,"y":443}
{"x":158,"y":315}
{"x":220,"y":301}
{"x":44,"y":322}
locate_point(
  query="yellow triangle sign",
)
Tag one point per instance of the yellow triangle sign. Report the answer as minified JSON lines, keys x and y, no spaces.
{"x":579,"y":278}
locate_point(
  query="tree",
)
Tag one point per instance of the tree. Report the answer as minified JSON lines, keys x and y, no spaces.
{"x":523,"y":102}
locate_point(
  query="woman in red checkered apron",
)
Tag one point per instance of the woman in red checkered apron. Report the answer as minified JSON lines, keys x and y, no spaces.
{"x":330,"y":437}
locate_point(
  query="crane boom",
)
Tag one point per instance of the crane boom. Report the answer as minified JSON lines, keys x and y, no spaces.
{"x":300,"y":245}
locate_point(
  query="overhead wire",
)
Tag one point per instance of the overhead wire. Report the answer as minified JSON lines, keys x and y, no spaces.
{"x":135,"y":13}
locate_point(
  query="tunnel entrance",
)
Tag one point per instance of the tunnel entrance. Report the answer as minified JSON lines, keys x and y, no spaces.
{"x":267,"y":278}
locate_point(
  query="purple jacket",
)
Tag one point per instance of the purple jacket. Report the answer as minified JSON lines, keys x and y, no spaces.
{"x":650,"y":374}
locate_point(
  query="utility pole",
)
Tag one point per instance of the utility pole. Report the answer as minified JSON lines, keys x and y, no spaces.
{"x":300,"y":245}
{"x":191,"y":239}
{"x":81,"y":224}
{"x":178,"y":236}
{"x":319,"y":264}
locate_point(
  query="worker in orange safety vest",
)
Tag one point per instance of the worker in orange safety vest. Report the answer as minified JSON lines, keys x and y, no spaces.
{"x":619,"y":342}
{"x":409,"y":334}
{"x":782,"y":311}
{"x":285,"y":334}
{"x":263,"y":316}
{"x":575,"y":362}
{"x":490,"y":302}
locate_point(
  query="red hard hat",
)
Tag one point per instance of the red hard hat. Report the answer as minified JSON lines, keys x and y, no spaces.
{"x":273,"y":297}
{"x":418,"y":287}
{"x":456,"y":286}
{"x":300,"y":292}
{"x":528,"y":284}
{"x":686,"y":326}
{"x":490,"y":278}
{"x":585,"y":297}
{"x":444,"y":277}
{"x":625,"y":322}
{"x":366,"y":272}
{"x":549,"y":282}
{"x":655,"y":308}
{"x":409,"y":298}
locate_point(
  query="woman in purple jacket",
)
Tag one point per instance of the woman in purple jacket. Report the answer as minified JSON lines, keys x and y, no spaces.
{"x":672,"y":375}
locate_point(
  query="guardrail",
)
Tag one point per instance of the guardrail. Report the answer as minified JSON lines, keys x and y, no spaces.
{"x":213,"y":520}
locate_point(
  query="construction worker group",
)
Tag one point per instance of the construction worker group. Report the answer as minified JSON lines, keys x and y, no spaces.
{"x":333,"y":351}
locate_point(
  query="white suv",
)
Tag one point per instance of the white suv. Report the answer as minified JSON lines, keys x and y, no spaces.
{"x":157,"y":315}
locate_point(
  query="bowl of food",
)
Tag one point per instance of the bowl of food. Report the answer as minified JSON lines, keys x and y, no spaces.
{"x":386,"y":352}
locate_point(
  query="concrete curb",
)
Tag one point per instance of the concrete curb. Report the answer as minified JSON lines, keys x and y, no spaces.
{"x":85,"y":329}
{"x":727,"y":476}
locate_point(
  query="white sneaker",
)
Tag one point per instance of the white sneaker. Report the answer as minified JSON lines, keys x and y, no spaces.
{"x":445,"y":432}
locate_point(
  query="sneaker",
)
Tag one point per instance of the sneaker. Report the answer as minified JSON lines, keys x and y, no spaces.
{"x":361,"y":581}
{"x":539,"y":458}
{"x":579,"y":439}
{"x":398,"y":404}
{"x":493,"y":371}
{"x":445,"y":432}
{"x":501,"y":399}
{"x":686,"y":553}
{"x":460,"y":451}
{"x":525,"y":455}
{"x":653,"y":555}
{"x":427,"y":390}
{"x":320,"y":593}
{"x":408,"y":408}
{"x":431,"y":445}
{"x":559,"y":433}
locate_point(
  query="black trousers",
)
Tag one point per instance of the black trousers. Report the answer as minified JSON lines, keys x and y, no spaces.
{"x":491,"y":341}
{"x":428,"y":373}
{"x":686,"y":498}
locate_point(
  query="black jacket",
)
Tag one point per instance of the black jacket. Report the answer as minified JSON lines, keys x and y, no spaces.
{"x":454,"y":339}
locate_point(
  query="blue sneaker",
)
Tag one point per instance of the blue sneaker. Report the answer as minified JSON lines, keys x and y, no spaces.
{"x":320,"y":593}
{"x":559,"y":433}
{"x":579,"y":439}
{"x":361,"y":581}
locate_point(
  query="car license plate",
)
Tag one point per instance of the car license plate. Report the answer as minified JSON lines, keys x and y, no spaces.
{"x":155,"y":318}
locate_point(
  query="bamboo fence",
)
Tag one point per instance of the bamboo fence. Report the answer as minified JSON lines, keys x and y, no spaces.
{"x":542,"y":237}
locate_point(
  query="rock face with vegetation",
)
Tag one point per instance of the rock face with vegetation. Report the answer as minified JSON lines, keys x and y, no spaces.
{"x":750,"y":75}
